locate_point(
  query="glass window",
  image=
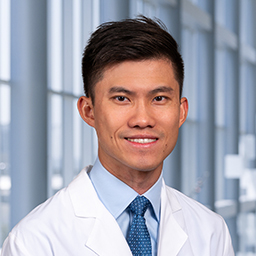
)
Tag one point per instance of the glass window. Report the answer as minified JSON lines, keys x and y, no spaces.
{"x":227,"y":13}
{"x":248,"y":22}
{"x":203,"y":4}
{"x":5,"y":40}
{"x":147,"y":8}
{"x":247,"y":97}
{"x":71,"y":143}
{"x":5,"y":117}
{"x":190,"y":130}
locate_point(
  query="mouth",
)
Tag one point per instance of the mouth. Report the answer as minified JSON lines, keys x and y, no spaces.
{"x":142,"y":141}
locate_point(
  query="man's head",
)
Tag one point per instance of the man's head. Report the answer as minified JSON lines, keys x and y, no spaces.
{"x":128,"y":40}
{"x":133,"y":77}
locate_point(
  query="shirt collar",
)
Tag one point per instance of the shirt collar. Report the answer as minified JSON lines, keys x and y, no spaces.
{"x":108,"y":187}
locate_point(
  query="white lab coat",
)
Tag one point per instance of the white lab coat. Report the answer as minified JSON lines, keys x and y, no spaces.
{"x":75,"y":222}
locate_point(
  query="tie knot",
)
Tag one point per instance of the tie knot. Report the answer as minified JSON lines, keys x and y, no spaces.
{"x":139,"y":205}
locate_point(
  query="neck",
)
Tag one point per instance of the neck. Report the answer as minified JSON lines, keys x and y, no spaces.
{"x":139,"y":180}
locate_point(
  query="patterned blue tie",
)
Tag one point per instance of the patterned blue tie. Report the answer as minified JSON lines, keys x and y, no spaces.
{"x":138,"y":236}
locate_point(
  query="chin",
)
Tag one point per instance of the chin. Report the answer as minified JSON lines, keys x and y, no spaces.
{"x":146,"y":167}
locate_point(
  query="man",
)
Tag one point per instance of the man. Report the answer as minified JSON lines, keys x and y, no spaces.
{"x":133,"y":76}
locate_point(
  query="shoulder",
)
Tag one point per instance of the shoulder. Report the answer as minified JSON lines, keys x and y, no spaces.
{"x":50,"y":221}
{"x":196,"y":215}
{"x":43,"y":219}
{"x":206,"y":230}
{"x":59,"y":206}
{"x":34,"y":231}
{"x":188,"y":203}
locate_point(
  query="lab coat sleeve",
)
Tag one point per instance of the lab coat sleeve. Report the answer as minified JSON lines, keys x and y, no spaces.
{"x":221,"y":243}
{"x":228,"y":248}
{"x":12,"y":246}
{"x":207,"y":231}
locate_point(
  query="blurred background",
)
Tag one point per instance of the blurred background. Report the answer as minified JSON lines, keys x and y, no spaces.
{"x":44,"y":143}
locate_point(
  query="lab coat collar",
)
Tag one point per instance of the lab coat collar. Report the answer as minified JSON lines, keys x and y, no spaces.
{"x":97,"y":218}
{"x":172,"y":235}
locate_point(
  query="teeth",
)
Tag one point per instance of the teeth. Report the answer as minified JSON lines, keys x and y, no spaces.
{"x":142,"y":141}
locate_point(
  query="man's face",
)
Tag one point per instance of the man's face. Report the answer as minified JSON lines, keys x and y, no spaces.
{"x":137,"y":113}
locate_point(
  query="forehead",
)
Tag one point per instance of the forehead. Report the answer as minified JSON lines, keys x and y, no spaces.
{"x":140,"y":63}
{"x":136,"y":74}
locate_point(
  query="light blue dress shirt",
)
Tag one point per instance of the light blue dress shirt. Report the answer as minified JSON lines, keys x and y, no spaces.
{"x":116,"y":196}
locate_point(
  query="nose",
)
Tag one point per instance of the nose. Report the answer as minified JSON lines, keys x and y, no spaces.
{"x":142,"y":117}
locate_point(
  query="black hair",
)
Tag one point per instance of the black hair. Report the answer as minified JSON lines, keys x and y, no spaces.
{"x":128,"y":40}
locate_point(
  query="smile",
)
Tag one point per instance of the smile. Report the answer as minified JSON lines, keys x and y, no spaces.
{"x":142,"y":141}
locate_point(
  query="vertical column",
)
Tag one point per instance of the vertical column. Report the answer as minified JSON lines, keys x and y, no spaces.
{"x":232,"y":186}
{"x":28,"y":106}
{"x":206,"y":131}
{"x":68,"y":63}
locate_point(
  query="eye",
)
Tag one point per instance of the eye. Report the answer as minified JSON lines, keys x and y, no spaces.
{"x":120,"y":98}
{"x":159,"y":98}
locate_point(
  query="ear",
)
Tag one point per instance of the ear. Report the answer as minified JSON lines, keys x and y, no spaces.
{"x":86,"y":110}
{"x":183,"y":110}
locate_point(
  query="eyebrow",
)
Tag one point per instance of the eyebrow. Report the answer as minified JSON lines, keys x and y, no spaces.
{"x":161,"y":89}
{"x":120,"y":89}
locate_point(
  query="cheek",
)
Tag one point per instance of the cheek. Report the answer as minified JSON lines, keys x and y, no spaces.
{"x":108,"y":124}
{"x":170,"y":120}
{"x":170,"y":123}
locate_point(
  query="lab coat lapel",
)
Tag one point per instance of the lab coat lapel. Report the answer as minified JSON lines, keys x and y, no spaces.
{"x":107,"y":238}
{"x":172,"y":236}
{"x":102,"y":232}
